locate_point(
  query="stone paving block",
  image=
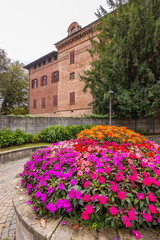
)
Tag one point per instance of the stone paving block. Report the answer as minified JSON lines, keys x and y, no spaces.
{"x":84,"y":233}
{"x":64,"y":232}
{"x":107,"y":234}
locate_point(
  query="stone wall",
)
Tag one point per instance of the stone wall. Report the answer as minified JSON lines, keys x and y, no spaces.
{"x":28,"y":227}
{"x":36,"y":124}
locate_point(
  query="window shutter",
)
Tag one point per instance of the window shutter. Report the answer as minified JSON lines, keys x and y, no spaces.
{"x":57,"y":76}
{"x":41,"y":81}
{"x":43,"y":102}
{"x":55,"y":100}
{"x":71,"y":57}
{"x":72,"y":98}
{"x":34,"y":103}
{"x":46,"y":79}
{"x":37,"y":83}
{"x":52,"y":77}
{"x":33,"y":83}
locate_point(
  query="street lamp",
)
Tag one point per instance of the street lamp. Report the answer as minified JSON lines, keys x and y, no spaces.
{"x":110,"y":106}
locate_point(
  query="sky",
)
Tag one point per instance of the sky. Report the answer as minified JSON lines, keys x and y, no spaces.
{"x":30,"y":28}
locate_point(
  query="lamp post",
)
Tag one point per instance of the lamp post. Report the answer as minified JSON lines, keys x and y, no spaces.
{"x":110,"y":106}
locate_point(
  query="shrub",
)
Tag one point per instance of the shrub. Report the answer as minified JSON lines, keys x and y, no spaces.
{"x":10,"y":138}
{"x":59,"y":133}
{"x":102,"y":184}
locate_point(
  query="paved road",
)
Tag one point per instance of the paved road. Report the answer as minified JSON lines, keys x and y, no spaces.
{"x":8,"y":172}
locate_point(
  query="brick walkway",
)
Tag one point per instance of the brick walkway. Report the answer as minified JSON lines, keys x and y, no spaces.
{"x":8,"y":172}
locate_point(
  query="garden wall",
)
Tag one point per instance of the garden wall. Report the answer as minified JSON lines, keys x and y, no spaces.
{"x":36,"y":124}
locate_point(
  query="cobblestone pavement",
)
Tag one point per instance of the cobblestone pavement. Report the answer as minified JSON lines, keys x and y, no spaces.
{"x":8,"y":172}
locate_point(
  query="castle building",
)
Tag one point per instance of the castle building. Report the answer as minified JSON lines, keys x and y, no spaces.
{"x":55,"y":88}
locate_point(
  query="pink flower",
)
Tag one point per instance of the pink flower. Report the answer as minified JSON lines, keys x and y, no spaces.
{"x":107,"y":169}
{"x":151,"y":197}
{"x":146,"y":181}
{"x":113,"y":210}
{"x":95,"y":197}
{"x":50,"y":190}
{"x":84,"y":215}
{"x":140,"y":196}
{"x":80,"y":173}
{"x":28,"y":202}
{"x":86,"y":198}
{"x":114,"y":187}
{"x":86,"y":184}
{"x":158,"y":220}
{"x":103,"y":200}
{"x":89,"y":209}
{"x":93,"y":176}
{"x":152,"y":208}
{"x":121,"y":195}
{"x":101,"y":179}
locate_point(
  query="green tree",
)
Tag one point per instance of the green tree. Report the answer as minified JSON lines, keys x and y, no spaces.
{"x":127,"y":59}
{"x":13,"y":86}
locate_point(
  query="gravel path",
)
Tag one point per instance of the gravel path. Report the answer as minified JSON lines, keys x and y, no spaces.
{"x":8,"y":173}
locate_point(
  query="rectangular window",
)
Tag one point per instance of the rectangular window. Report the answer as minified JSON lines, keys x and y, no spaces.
{"x":72,"y":76}
{"x":55,"y":77}
{"x":35,"y":66}
{"x":49,"y":60}
{"x":55,"y":57}
{"x":44,"y":62}
{"x":34,"y":103}
{"x":44,"y":80}
{"x":43,"y":102}
{"x":55,"y":101}
{"x":39,"y":64}
{"x":35,"y":83}
{"x":72,"y":98}
{"x":72,"y":57}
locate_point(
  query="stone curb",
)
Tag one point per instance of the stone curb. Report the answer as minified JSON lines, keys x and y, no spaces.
{"x":19,"y":153}
{"x":28,"y":226}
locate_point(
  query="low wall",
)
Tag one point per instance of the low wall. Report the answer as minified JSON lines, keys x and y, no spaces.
{"x":18,"y":153}
{"x":36,"y":124}
{"x":28,"y":226}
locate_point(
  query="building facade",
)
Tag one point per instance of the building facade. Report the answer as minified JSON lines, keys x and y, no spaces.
{"x":55,"y":88}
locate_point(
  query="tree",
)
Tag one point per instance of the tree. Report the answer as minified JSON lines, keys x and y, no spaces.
{"x":13,"y":86}
{"x":127,"y":59}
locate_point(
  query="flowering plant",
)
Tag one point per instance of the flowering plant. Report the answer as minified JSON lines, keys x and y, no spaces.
{"x":102,"y":184}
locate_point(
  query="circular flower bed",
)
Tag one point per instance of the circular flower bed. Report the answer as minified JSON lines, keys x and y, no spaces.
{"x":111,"y":183}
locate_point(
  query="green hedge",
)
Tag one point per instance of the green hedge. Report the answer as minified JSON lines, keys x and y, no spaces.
{"x":50,"y":134}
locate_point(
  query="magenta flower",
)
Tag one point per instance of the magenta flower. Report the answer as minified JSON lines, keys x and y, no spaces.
{"x":38,"y":194}
{"x":28,"y":202}
{"x":61,"y":186}
{"x":137,"y":234}
{"x":89,"y":209}
{"x":121,"y":195}
{"x":78,"y":195}
{"x":59,"y":203}
{"x":50,"y":190}
{"x":84,"y":215}
{"x":101,"y":179}
{"x":71,"y":193}
{"x":95,"y":197}
{"x":151,"y":197}
{"x":113,"y":210}
{"x":152,"y":208}
{"x":73,"y":182}
{"x":114,"y":187}
{"x":140,"y":196}
{"x":93,"y":176}
{"x":102,"y":200}
{"x":86,"y":184}
{"x":86,"y":197}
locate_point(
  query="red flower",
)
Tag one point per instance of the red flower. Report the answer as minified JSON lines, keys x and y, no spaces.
{"x":89,"y":209}
{"x":86,"y":198}
{"x":152,"y":208}
{"x":84,"y":215}
{"x":101,"y":179}
{"x":121,"y":195}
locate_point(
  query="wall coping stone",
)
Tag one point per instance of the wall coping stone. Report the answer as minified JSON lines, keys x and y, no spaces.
{"x":17,"y":154}
{"x":28,"y":225}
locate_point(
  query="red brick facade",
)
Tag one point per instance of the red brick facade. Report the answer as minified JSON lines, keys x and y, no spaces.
{"x":54,"y":85}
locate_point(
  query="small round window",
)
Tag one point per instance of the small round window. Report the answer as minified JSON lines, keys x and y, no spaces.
{"x":73,"y":30}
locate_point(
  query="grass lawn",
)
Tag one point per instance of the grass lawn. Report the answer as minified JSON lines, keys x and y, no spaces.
{"x":22,"y":146}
